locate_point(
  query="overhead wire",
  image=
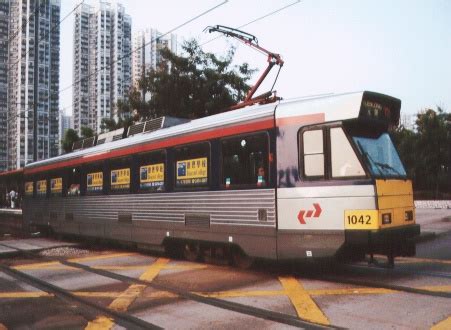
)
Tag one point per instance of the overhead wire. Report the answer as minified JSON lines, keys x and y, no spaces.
{"x":141,"y":47}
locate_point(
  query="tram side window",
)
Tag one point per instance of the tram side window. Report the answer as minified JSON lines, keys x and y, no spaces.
{"x":152,"y":171}
{"x":94,"y":180}
{"x":41,"y":188}
{"x":29,"y":188}
{"x":192,"y":166}
{"x":344,"y":160}
{"x":73,"y":182}
{"x":56,"y":186}
{"x":313,"y":153}
{"x":120,"y":174}
{"x":245,"y":161}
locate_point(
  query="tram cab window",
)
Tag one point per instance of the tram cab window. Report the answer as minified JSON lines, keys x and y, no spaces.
{"x":245,"y":161}
{"x":343,"y":158}
{"x":73,"y":182}
{"x":152,"y":169}
{"x":120,"y":175}
{"x":192,"y":166}
{"x":313,"y":153}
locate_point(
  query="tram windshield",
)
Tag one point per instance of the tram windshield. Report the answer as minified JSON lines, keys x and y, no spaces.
{"x":381,"y":156}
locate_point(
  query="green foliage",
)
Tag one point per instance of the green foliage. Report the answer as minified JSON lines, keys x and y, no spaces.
{"x":70,"y":137}
{"x":86,"y":132}
{"x":191,"y":86}
{"x":426,"y":152}
{"x":109,"y":124}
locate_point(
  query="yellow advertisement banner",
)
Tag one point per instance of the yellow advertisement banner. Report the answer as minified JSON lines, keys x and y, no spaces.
{"x":95,"y":181}
{"x":29,"y":188}
{"x":192,"y":171}
{"x":56,"y":185}
{"x":41,"y":187}
{"x":120,"y":179}
{"x":151,"y":175}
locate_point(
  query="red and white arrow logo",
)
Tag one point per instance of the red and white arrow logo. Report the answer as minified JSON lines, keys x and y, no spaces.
{"x":304,"y":214}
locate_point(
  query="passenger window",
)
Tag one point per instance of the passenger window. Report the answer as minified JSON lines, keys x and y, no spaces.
{"x":73,"y":182}
{"x":120,"y":176}
{"x":313,"y":147}
{"x":94,"y":181}
{"x":191,"y":167}
{"x":152,"y":171}
{"x":56,"y":187}
{"x":245,"y":161}
{"x":29,"y":188}
{"x":41,"y":188}
{"x":344,"y":160}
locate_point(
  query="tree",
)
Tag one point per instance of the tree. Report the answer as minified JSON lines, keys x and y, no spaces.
{"x":70,"y":137}
{"x":86,"y":132}
{"x":191,"y":86}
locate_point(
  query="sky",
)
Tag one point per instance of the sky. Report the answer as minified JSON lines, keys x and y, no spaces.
{"x":397,"y":47}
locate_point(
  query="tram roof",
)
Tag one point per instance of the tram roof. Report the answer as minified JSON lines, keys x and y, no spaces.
{"x":334,"y":107}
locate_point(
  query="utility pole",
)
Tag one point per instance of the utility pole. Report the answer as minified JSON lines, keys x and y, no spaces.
{"x":35,"y":76}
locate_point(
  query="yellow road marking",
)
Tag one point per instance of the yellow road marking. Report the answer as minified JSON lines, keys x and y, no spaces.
{"x":356,"y":291}
{"x":437,"y":288}
{"x":443,"y":325}
{"x":102,"y":322}
{"x":103,"y":256}
{"x":233,"y":294}
{"x":127,"y":297}
{"x":305,"y":307}
{"x":32,"y":294}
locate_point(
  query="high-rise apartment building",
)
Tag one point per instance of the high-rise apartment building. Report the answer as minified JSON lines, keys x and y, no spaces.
{"x":65,"y":124}
{"x":21,"y":80}
{"x":4,"y":38}
{"x":102,"y":63}
{"x":147,"y":46}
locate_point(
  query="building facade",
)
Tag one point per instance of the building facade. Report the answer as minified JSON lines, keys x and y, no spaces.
{"x":65,"y":124}
{"x":4,"y":42}
{"x":148,"y":45}
{"x":21,"y":81}
{"x":102,"y":63}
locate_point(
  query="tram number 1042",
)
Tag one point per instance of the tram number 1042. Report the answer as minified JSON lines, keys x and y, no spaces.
{"x":361,"y":219}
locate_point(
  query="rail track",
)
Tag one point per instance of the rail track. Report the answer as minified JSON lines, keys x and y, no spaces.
{"x":128,"y":320}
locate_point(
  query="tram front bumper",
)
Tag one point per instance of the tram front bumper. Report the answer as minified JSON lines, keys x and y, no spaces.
{"x":396,"y":241}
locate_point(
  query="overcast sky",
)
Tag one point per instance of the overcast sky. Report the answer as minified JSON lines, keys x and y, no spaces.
{"x":397,"y":47}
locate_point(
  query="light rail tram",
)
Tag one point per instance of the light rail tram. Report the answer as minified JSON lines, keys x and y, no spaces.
{"x":304,"y":178}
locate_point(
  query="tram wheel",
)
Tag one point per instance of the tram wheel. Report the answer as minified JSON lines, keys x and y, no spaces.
{"x":241,"y":260}
{"x":191,"y":251}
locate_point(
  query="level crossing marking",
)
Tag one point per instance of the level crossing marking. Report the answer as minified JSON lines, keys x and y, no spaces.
{"x":305,"y":307}
{"x":127,"y":297}
{"x":443,"y":325}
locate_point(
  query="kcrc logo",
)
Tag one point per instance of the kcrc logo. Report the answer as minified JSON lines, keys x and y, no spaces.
{"x":305,"y":214}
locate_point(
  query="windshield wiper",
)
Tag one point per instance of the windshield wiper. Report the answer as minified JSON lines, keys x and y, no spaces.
{"x":370,"y":159}
{"x":389,"y":167}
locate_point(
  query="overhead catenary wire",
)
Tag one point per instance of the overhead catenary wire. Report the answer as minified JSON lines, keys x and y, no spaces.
{"x":255,"y":20}
{"x":141,"y":47}
{"x":172,"y":30}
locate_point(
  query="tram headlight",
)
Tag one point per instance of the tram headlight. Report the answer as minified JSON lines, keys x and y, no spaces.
{"x":386,"y":218}
{"x":408,"y":216}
